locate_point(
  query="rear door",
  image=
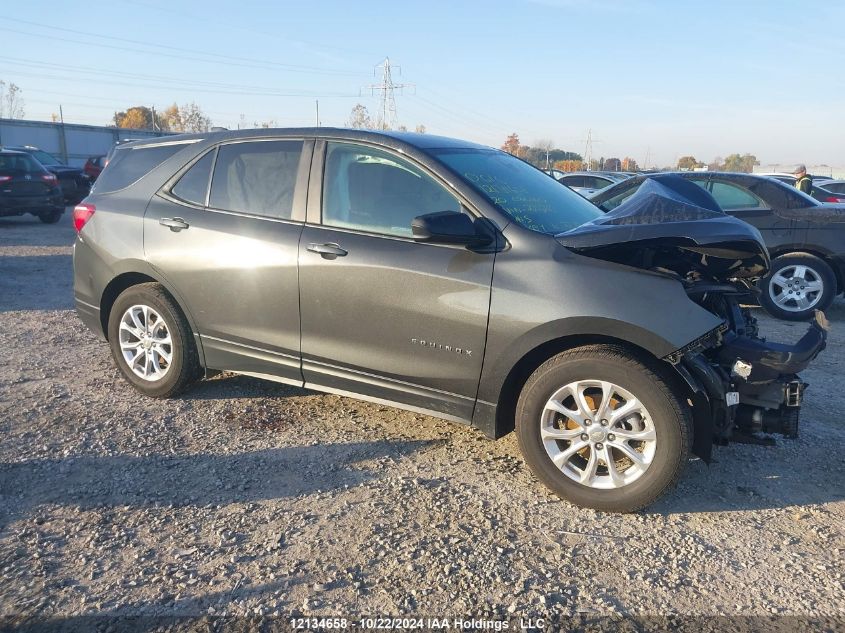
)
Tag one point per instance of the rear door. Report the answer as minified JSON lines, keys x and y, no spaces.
{"x":382,"y":315}
{"x":751,"y":205}
{"x":224,"y":233}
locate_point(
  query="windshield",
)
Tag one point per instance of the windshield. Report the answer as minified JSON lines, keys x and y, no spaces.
{"x":46,"y":159}
{"x":525,"y":194}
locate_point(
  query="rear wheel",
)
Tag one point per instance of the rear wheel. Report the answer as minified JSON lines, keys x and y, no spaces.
{"x":603,"y":430}
{"x":151,"y":341}
{"x":50,"y":217}
{"x":797,"y":285}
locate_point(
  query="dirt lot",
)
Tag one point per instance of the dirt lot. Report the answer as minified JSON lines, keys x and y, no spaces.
{"x":247,"y":497}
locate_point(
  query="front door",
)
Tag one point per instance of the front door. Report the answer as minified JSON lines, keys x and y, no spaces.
{"x":384,"y":316}
{"x":225,"y":237}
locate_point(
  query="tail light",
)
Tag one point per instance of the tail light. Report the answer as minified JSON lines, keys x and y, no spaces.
{"x":81,"y":214}
{"x":51,"y":178}
{"x":5,"y":178}
{"x":833,"y":199}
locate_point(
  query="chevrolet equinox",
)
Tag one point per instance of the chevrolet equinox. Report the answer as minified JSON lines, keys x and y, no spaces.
{"x":446,"y":278}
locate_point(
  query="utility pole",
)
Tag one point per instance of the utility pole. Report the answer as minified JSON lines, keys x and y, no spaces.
{"x":153,"y":110}
{"x":317,"y":101}
{"x":63,"y":137}
{"x":387,"y":116}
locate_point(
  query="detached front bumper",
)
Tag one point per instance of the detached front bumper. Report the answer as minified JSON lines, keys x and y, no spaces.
{"x":751,"y":385}
{"x":756,"y":361}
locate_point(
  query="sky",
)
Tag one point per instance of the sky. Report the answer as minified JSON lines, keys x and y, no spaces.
{"x":651,"y":79}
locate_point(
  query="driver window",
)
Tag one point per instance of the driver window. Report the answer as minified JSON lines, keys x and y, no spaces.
{"x":374,"y":191}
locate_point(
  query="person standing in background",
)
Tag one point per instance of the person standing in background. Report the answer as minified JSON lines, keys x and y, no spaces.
{"x":803,"y":181}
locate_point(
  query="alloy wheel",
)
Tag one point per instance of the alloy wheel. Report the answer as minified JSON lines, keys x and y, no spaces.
{"x":145,"y":342}
{"x":598,"y":434}
{"x":796,"y":288}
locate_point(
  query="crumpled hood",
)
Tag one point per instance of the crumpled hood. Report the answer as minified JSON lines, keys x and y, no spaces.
{"x":671,"y":223}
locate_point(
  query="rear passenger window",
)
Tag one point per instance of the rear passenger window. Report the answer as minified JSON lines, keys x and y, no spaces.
{"x":129,"y":164}
{"x":193,"y":185}
{"x":257,"y":177}
{"x":731,"y":197}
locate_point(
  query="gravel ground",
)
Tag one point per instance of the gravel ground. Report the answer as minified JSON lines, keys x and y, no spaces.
{"x":246,"y":497}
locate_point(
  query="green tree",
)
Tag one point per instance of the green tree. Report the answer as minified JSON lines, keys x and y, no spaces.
{"x":744,"y":163}
{"x":688,"y":163}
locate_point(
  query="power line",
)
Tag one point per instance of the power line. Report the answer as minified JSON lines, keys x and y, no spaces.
{"x":217,"y":92}
{"x":258,"y":63}
{"x":292,"y":67}
{"x":181,"y":83}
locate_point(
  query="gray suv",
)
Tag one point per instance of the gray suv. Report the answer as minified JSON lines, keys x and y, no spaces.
{"x":447,"y":278}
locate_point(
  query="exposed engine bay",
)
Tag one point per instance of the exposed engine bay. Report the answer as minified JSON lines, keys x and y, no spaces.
{"x":741,"y":384}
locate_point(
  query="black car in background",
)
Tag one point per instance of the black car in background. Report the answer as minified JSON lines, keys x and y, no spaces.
{"x":804,"y":238}
{"x":75,"y":184}
{"x":27,"y":187}
{"x":824,"y":188}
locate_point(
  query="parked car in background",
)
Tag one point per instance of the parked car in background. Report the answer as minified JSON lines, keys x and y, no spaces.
{"x":74,"y":183}
{"x":820,"y":190}
{"x":494,"y":296}
{"x":804,"y":238}
{"x":588,"y":182}
{"x":27,"y":187}
{"x":790,"y":178}
{"x":94,"y":166}
{"x":834,"y":186}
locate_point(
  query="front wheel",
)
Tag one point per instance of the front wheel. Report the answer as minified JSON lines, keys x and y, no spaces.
{"x":151,"y":341}
{"x":797,"y":285}
{"x":603,"y":430}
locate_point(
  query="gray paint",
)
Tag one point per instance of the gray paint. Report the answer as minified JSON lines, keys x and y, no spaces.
{"x":259,"y":300}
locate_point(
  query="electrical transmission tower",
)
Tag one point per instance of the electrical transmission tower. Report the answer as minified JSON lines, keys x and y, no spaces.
{"x":387,"y":116}
{"x":588,"y":149}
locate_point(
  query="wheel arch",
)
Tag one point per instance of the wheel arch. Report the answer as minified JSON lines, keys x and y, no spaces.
{"x":142,"y":273}
{"x":502,"y":418}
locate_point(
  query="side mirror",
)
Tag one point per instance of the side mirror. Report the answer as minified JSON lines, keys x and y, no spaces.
{"x":447,"y":227}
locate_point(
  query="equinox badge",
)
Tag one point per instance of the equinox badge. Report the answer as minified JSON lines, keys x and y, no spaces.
{"x":440,"y":346}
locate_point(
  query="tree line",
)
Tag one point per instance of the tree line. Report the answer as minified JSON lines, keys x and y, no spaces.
{"x":175,"y":118}
{"x":743,"y":163}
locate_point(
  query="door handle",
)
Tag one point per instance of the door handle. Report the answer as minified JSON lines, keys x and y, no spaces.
{"x":175,"y":224}
{"x":327,"y":251}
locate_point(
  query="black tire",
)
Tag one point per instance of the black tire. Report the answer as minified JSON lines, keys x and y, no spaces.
{"x":671,"y":422}
{"x":184,"y":365}
{"x":50,"y":217}
{"x":816,"y":269}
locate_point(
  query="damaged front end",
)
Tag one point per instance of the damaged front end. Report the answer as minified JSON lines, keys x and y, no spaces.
{"x":739,"y":383}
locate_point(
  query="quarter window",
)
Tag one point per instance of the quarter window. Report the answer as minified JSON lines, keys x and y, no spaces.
{"x":374,"y":191}
{"x":257,"y":177}
{"x":193,"y":185}
{"x":130,"y":164}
